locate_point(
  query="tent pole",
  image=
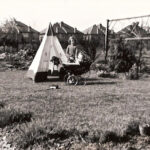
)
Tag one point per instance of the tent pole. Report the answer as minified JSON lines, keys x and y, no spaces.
{"x":106,"y":40}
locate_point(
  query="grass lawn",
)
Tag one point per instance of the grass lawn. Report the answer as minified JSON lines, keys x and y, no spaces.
{"x":104,"y":104}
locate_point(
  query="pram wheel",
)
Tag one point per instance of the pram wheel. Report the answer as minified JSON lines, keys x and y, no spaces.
{"x":72,"y":80}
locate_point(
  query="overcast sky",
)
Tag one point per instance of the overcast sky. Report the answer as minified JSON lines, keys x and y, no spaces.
{"x":77,"y":13}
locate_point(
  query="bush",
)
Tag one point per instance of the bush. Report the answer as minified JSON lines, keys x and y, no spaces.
{"x":121,"y":57}
{"x":133,"y":73}
{"x":20,"y":59}
{"x":10,"y":116}
{"x":105,"y":74}
{"x":101,"y":66}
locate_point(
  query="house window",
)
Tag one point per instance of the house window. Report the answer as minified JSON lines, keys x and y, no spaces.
{"x":25,"y":35}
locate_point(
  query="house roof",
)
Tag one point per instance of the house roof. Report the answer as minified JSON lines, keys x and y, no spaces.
{"x":95,"y":29}
{"x":24,"y":28}
{"x":43,"y":31}
{"x":19,"y":26}
{"x":63,"y":28}
{"x":133,"y":30}
{"x":147,"y":29}
{"x":102,"y":28}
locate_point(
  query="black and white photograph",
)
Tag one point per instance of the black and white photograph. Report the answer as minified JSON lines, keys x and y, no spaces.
{"x":74,"y":75}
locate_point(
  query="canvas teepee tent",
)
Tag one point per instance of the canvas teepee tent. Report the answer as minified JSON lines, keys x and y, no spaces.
{"x":49,"y":47}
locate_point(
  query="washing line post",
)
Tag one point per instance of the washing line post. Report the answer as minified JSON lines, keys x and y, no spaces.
{"x":106,"y":39}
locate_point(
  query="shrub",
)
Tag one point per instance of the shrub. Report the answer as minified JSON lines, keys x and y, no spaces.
{"x":133,"y":73}
{"x":101,"y":66}
{"x":10,"y":116}
{"x":121,"y":57}
{"x":105,"y":74}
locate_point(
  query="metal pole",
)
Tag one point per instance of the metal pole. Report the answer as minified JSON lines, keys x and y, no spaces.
{"x":106,"y":40}
{"x":130,"y":18}
{"x":140,"y":55}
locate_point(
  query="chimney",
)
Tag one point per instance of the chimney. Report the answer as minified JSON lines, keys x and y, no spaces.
{"x":75,"y":30}
{"x":29,"y":29}
{"x":100,"y":25}
{"x":97,"y":30}
{"x":61,"y":24}
{"x":57,"y":30}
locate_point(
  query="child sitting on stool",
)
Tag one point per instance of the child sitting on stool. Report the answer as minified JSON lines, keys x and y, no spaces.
{"x":71,"y":50}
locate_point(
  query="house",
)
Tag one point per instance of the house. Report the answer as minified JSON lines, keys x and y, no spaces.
{"x":26,"y":36}
{"x":132,"y":30}
{"x":135,"y":30}
{"x":63,"y":32}
{"x":96,"y":33}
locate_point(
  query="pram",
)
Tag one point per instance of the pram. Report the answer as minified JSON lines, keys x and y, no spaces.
{"x":72,"y":72}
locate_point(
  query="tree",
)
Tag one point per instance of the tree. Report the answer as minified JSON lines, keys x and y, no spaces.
{"x":90,"y":46}
{"x":1,"y":36}
{"x":11,"y":32}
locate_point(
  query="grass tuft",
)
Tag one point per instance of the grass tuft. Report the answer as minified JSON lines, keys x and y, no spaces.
{"x":109,"y":136}
{"x":36,"y":133}
{"x":10,"y":116}
{"x":132,"y":129}
{"x":2,"y":104}
{"x":93,"y":136}
{"x":29,"y":135}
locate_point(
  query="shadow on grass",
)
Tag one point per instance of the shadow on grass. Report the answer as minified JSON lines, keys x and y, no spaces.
{"x":101,"y":83}
{"x":91,"y":79}
{"x":110,"y":136}
{"x":53,"y":79}
{"x":56,"y":79}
